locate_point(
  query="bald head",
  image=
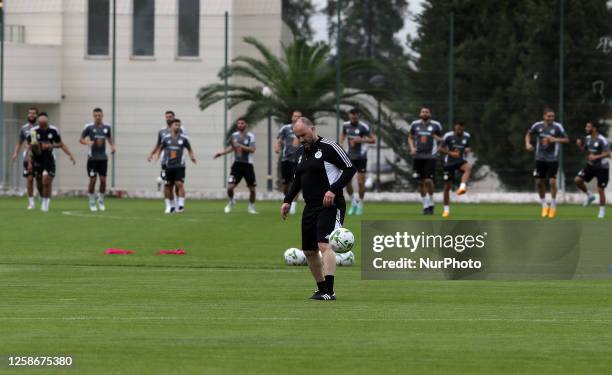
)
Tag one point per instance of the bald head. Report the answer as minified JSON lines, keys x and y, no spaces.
{"x":305,"y":131}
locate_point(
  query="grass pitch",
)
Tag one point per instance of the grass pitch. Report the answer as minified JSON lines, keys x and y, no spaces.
{"x":232,"y":307}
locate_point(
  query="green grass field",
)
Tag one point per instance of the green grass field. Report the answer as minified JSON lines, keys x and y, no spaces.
{"x":232,"y":307}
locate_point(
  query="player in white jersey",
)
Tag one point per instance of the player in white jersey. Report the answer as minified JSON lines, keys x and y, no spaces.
{"x":24,"y":132}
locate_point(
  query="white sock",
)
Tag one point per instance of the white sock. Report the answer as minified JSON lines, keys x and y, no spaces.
{"x":355,"y":200}
{"x":462,"y":185}
{"x":181,"y":202}
{"x":446,"y":208}
{"x":45,"y":203}
{"x":31,"y":200}
{"x":430,"y":200}
{"x":425,"y":202}
{"x":293,"y":205}
{"x":167,"y":202}
{"x":602,"y":211}
{"x":553,"y":203}
{"x":252,"y":205}
{"x":101,"y":197}
{"x":544,"y":204}
{"x":92,"y":198}
{"x":360,"y":203}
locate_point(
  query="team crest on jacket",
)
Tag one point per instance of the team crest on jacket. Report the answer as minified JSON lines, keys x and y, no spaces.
{"x":180,"y":142}
{"x":318,"y":154}
{"x":105,"y":131}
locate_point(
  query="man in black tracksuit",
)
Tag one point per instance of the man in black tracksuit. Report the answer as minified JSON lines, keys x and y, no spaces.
{"x":323,"y":170}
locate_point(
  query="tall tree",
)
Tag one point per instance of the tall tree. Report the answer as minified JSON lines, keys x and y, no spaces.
{"x":369,"y":29}
{"x":297,"y":15}
{"x":301,"y":78}
{"x":506,"y":65}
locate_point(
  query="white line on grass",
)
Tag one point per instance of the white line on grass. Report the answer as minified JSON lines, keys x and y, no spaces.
{"x":83,"y":214}
{"x":326,"y":319}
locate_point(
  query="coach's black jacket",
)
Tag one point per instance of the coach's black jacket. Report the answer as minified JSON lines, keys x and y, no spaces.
{"x":322,"y":167}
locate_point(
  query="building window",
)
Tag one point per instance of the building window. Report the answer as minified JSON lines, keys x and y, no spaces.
{"x":98,"y":21}
{"x":189,"y":28}
{"x":143,"y":33}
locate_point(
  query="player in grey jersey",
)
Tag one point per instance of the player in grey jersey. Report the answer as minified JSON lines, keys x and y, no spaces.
{"x":549,"y":137}
{"x":95,"y":135}
{"x":174,"y":146}
{"x":242,"y":144}
{"x":156,"y":154}
{"x":24,"y":132}
{"x":359,"y":136}
{"x":597,"y":166}
{"x":287,"y":145}
{"x":423,"y":139}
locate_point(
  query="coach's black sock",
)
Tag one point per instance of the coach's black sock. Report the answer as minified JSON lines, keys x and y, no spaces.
{"x":329,"y":281}
{"x":321,"y":286}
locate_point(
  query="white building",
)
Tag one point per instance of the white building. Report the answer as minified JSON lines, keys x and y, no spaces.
{"x":58,"y":58}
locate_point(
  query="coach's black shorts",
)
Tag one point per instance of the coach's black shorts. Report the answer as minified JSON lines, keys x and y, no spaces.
{"x":546,"y":169}
{"x":97,"y":167}
{"x":41,"y":166}
{"x":319,"y":222}
{"x":287,"y":171}
{"x":26,"y":173}
{"x":424,"y":169}
{"x":173,"y":175}
{"x":360,"y":164}
{"x":450,"y":171}
{"x":242,"y":170}
{"x":602,"y":174}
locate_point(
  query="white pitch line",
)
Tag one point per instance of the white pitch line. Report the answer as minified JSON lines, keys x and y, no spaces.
{"x":327,"y":319}
{"x":80,"y":214}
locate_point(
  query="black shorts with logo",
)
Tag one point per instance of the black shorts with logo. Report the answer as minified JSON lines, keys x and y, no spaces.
{"x":360,"y":164}
{"x":173,"y":175}
{"x":318,"y":223}
{"x":287,"y":171}
{"x":424,"y":169}
{"x":26,"y":173}
{"x":450,"y":171}
{"x":41,"y":166}
{"x":242,"y":170}
{"x":97,"y":167}
{"x":602,"y":174}
{"x":546,"y":169}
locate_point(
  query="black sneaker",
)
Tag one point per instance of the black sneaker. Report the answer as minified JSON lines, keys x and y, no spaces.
{"x":426,"y":211}
{"x":429,"y":210}
{"x":323,"y":296}
{"x":315,"y":294}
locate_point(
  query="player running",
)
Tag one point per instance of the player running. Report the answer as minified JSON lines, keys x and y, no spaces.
{"x":423,"y":139}
{"x":287,"y":142}
{"x":242,"y":143}
{"x":323,"y":170}
{"x":598,"y":149}
{"x":456,"y":146}
{"x":173,"y":146}
{"x":42,"y":140}
{"x":171,"y":204}
{"x":359,"y":136}
{"x":549,"y":137}
{"x":95,"y":135}
{"x":24,"y":132}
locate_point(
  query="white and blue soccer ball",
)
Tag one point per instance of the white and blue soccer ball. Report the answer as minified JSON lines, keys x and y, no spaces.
{"x":294,"y":257}
{"x":345,"y":259}
{"x":341,"y":240}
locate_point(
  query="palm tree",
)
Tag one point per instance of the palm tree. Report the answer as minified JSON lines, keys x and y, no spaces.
{"x":302,"y":78}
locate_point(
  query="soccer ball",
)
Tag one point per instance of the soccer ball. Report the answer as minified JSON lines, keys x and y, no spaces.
{"x":341,"y":240}
{"x":346,"y":259}
{"x":294,"y":257}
